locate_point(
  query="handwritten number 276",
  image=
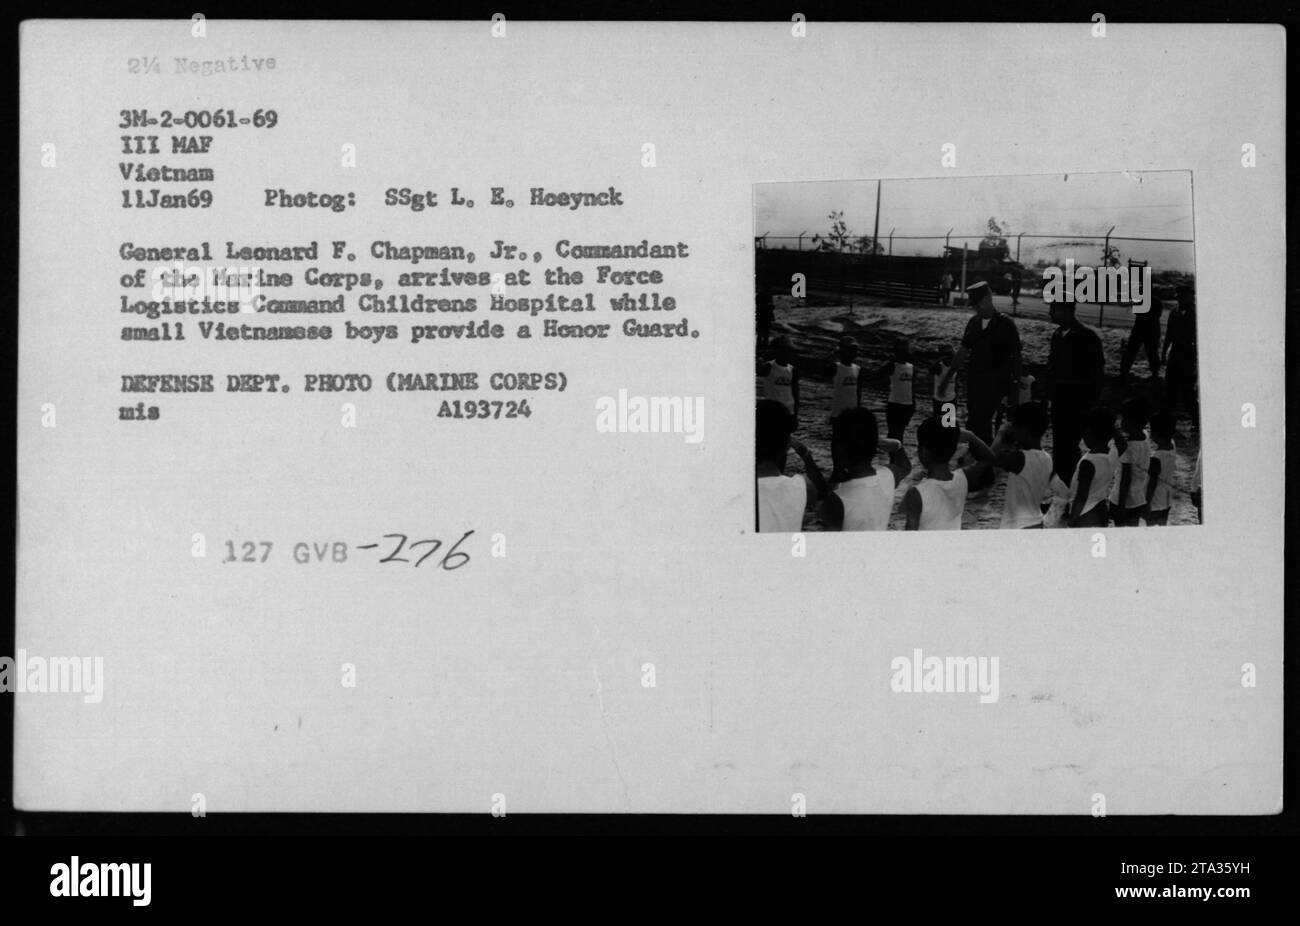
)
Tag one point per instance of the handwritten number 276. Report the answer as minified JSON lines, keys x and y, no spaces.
{"x":446,"y":562}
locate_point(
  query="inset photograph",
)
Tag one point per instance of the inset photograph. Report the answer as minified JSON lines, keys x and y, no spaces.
{"x":971,"y":353}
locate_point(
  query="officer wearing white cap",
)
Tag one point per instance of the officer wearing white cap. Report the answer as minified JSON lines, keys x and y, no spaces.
{"x":992,"y":342}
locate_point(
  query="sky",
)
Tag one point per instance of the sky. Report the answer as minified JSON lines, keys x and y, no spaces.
{"x":1155,"y":204}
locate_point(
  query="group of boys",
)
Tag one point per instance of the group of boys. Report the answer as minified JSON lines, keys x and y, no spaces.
{"x":1121,"y":475}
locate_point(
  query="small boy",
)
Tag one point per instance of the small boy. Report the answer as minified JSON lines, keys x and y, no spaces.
{"x":1164,"y":456}
{"x":944,"y":373}
{"x":1018,"y":450}
{"x":937,"y":501}
{"x":901,"y":404}
{"x":780,"y":378}
{"x":780,"y":500}
{"x":846,"y":394}
{"x":1129,"y":494}
{"x":1095,"y":472}
{"x":863,"y":501}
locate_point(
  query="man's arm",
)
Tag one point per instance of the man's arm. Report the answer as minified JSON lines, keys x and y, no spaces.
{"x":794,"y":391}
{"x":832,"y":512}
{"x":984,"y":459}
{"x":1086,"y":471}
{"x":899,"y":464}
{"x":817,"y":481}
{"x":1005,"y":454}
{"x":912,"y":508}
{"x":947,"y":376}
{"x":968,"y":335}
{"x":1013,"y":347}
{"x":1097,"y":364}
{"x":1049,"y":373}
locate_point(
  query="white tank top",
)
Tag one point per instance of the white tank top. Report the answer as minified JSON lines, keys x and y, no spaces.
{"x":781,"y":501}
{"x":1104,"y":475}
{"x":1025,"y":491}
{"x":867,"y":501}
{"x":1160,"y":498}
{"x":942,"y":502}
{"x":900,"y":384}
{"x":778,"y":384}
{"x":949,"y":392}
{"x":1138,"y":453}
{"x":845,"y":385}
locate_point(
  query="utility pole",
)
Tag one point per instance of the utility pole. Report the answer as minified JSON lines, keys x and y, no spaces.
{"x":891,"y":242}
{"x":964,"y":246}
{"x":875,"y":233}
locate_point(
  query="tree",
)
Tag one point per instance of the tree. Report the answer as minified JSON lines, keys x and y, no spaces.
{"x":995,"y":236}
{"x":839,"y":235}
{"x":867,"y":245}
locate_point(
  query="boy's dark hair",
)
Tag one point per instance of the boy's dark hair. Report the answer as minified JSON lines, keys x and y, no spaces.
{"x":1032,"y":416}
{"x":938,"y":440}
{"x":858,"y":433}
{"x":1135,"y":410}
{"x":1162,"y":423}
{"x":1100,"y":421}
{"x":772,"y":430}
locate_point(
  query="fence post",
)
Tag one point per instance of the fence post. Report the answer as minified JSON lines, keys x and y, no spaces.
{"x":963,"y":268}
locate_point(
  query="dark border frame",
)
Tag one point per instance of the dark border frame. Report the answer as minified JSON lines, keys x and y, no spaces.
{"x":1286,"y":823}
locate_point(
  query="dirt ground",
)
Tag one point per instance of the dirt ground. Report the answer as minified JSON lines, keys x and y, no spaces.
{"x":815,"y":331}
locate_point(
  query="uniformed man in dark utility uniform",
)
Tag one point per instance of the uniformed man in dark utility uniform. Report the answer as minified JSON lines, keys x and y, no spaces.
{"x":1075,"y":367}
{"x":1180,"y":354}
{"x":1145,"y":334}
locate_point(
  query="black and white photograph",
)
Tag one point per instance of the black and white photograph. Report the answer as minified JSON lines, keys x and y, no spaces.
{"x":433,"y":426}
{"x":1034,"y":365}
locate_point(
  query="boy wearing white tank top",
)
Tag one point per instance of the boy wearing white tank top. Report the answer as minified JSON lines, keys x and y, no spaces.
{"x":1128,"y":496}
{"x":846,"y":394}
{"x":901,"y":404}
{"x":1095,"y":472}
{"x":780,"y":500}
{"x":1160,"y":476}
{"x":943,"y":373}
{"x":1018,"y":450}
{"x":938,"y":500}
{"x":779,"y":379}
{"x":846,"y":390}
{"x":864,"y":500}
